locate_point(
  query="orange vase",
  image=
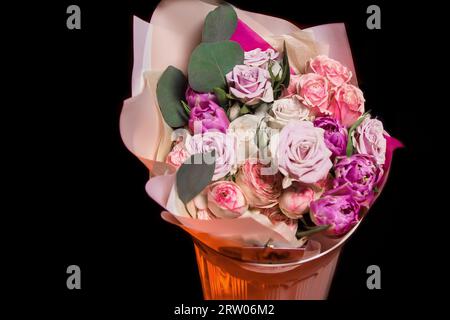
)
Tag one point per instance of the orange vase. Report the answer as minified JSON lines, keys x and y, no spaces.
{"x":228,"y":278}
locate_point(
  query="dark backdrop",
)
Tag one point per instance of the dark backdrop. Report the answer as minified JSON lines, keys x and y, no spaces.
{"x":82,"y":200}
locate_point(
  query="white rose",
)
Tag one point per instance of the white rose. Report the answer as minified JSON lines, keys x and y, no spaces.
{"x":244,"y":129}
{"x":287,"y":109}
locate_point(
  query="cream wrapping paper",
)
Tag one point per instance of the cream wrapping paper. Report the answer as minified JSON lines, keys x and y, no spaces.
{"x":173,"y":32}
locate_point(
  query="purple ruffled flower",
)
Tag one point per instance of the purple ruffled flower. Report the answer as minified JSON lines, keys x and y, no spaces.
{"x":195,"y":99}
{"x":338,"y":211}
{"x":206,"y":114}
{"x":335,"y":135}
{"x":357,"y":176}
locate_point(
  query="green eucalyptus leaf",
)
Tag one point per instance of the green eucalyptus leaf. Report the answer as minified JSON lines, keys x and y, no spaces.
{"x":286,"y":77}
{"x":311,"y":231}
{"x":350,"y":133}
{"x":220,"y":24}
{"x":194,"y":175}
{"x":170,"y":91}
{"x":221,"y":96}
{"x":210,"y":62}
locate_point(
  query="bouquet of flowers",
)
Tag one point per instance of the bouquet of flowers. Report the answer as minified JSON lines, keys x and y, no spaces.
{"x":254,"y":139}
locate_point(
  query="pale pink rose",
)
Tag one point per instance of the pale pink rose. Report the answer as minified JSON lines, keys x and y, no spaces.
{"x":369,"y":139}
{"x":259,"y":58}
{"x":261,"y":190}
{"x":313,"y":91}
{"x":178,"y":155}
{"x":295,"y":200}
{"x":333,"y":70}
{"x":284,"y":110}
{"x":226,"y":200}
{"x":251,"y":85}
{"x":347,"y":104}
{"x":276,"y":217}
{"x":301,"y":153}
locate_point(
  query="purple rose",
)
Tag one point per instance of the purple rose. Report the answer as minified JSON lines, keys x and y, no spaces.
{"x":251,"y":85}
{"x":335,"y":135}
{"x":208,"y":116}
{"x":195,"y":98}
{"x":338,"y":211}
{"x":359,"y":175}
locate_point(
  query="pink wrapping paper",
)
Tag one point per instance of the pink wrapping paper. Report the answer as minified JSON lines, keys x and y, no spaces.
{"x":169,"y":41}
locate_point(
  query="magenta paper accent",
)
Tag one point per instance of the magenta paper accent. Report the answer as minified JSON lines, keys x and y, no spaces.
{"x":249,"y":39}
{"x":391,"y":145}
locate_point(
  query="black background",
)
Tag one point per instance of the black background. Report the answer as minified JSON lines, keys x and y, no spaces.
{"x":79,"y":195}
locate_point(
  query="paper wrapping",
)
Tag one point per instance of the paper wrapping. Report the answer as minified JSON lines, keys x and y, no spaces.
{"x":173,"y":32}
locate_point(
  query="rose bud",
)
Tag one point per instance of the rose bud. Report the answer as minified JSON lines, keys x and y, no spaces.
{"x":295,"y":200}
{"x":340,"y":212}
{"x":226,"y":200}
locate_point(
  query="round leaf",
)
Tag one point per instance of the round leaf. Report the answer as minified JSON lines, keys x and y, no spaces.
{"x":170,"y":91}
{"x":210,"y":62}
{"x":192,"y":177}
{"x":220,"y":24}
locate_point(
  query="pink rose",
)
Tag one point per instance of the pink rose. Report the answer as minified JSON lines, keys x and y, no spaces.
{"x":347,"y":104}
{"x":301,"y":153}
{"x":259,"y":58}
{"x":313,"y":91}
{"x":369,"y":139}
{"x":295,"y":200}
{"x":334,"y":71}
{"x":261,"y":190}
{"x":226,"y":200}
{"x":251,"y":85}
{"x":224,"y":146}
{"x":178,"y":155}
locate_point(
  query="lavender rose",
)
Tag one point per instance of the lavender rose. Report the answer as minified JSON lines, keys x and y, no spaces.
{"x":195,"y":98}
{"x":338,"y":211}
{"x":359,"y":174}
{"x":251,"y":85}
{"x":208,"y":116}
{"x":336,"y":135}
{"x":369,"y":139}
{"x":259,"y":58}
{"x":224,"y":146}
{"x":301,"y":153}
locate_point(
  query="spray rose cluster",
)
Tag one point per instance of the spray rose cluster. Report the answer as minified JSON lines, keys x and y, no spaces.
{"x":300,"y":152}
